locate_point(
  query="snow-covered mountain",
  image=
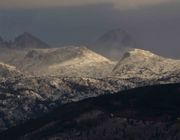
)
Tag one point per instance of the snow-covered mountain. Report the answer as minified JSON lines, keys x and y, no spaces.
{"x":144,"y":64}
{"x":113,"y":44}
{"x":66,"y":61}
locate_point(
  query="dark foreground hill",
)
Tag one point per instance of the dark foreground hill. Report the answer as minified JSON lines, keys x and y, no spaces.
{"x":147,"y":113}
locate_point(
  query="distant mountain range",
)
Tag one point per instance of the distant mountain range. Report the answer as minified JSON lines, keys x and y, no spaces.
{"x":76,"y":61}
{"x":111,"y":45}
{"x":34,"y":57}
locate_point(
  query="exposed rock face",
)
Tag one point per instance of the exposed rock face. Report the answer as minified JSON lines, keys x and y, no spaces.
{"x":114,"y":43}
{"x":144,"y":64}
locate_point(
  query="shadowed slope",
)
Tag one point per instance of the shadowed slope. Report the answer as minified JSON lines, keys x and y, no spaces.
{"x":74,"y":120}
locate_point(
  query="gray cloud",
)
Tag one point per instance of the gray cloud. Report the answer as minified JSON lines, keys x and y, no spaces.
{"x":123,"y":4}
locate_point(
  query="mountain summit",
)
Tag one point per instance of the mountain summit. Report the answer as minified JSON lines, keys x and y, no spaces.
{"x":26,"y":40}
{"x":116,"y":37}
{"x":113,"y":44}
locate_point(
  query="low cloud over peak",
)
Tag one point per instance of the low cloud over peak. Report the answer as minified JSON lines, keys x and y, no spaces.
{"x":123,"y":4}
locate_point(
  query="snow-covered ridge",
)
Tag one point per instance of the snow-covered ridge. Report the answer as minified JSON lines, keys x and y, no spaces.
{"x":66,"y":61}
{"x":144,"y":64}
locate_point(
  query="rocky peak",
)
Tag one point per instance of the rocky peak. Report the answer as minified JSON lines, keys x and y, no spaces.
{"x":117,"y":36}
{"x":113,"y":44}
{"x":26,"y":40}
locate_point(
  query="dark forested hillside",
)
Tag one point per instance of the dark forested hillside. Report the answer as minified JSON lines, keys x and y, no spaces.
{"x":143,"y":113}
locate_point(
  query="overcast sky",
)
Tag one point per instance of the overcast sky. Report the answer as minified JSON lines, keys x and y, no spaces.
{"x":154,"y":24}
{"x":125,"y":4}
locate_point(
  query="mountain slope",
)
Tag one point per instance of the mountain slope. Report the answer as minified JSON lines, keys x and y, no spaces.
{"x":144,"y":64}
